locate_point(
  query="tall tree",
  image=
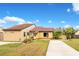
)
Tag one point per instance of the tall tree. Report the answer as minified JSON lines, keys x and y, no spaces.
{"x":69,"y":32}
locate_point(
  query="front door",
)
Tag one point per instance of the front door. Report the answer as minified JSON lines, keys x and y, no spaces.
{"x":45,"y":34}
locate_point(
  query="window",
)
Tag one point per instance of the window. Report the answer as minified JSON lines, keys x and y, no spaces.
{"x":45,"y":34}
{"x":24,"y":34}
{"x":28,"y":33}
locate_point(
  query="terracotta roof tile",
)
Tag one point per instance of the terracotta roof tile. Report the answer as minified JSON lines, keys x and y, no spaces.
{"x":42,"y":29}
{"x":18,"y":27}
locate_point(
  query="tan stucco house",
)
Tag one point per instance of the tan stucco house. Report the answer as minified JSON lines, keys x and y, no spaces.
{"x":76,"y":34}
{"x":17,"y":33}
{"x":42,"y":33}
{"x":22,"y":31}
{"x":1,"y":34}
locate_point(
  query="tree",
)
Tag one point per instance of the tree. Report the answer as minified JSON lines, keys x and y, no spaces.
{"x":56,"y":34}
{"x":69,"y":32}
{"x":28,"y":38}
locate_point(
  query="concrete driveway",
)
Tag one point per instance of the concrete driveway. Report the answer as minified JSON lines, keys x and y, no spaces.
{"x":2,"y":43}
{"x":59,"y":48}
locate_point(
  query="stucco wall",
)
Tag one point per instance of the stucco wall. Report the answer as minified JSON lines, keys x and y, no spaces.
{"x":41,"y":36}
{"x":26,"y":30}
{"x":77,"y":33}
{"x":16,"y":35}
{"x":12,"y":36}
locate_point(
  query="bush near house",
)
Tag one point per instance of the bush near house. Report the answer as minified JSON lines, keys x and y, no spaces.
{"x":27,"y":41}
{"x":57,"y":34}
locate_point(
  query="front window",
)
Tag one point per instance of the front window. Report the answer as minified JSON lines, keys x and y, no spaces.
{"x":28,"y":33}
{"x":45,"y":34}
{"x":24,"y":34}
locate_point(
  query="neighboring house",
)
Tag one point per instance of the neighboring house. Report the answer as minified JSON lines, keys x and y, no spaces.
{"x":42,"y":33}
{"x":17,"y":33}
{"x":76,"y":34}
{"x":1,"y":34}
{"x":25,"y":31}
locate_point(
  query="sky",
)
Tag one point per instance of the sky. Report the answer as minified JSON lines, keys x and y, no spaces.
{"x":53,"y":15}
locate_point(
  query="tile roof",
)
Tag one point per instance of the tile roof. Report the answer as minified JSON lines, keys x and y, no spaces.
{"x":42,"y":29}
{"x":18,"y":27}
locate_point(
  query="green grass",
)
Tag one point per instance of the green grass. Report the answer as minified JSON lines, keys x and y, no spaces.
{"x":74,"y":43}
{"x":36,"y":48}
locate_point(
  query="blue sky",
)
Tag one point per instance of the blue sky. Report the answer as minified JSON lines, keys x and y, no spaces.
{"x":42,"y":14}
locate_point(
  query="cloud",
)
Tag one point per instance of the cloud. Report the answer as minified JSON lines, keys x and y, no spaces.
{"x":29,"y":22}
{"x":37,"y":20}
{"x":75,"y":7}
{"x":68,"y":10}
{"x":66,"y":26}
{"x":62,"y":21}
{"x":50,"y":21}
{"x":77,"y":27}
{"x":2,"y":22}
{"x":14,"y":19}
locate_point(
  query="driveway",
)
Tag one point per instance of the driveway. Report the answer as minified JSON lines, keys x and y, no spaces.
{"x":1,"y":43}
{"x":59,"y":48}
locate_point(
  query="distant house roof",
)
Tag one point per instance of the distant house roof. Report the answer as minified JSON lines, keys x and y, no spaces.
{"x":18,"y":27}
{"x":42,"y":29}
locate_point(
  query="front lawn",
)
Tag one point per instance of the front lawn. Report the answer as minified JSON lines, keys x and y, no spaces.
{"x":36,"y":48}
{"x":74,"y":43}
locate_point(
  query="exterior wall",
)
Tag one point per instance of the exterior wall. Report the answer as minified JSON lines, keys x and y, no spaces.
{"x":26,"y":31}
{"x":40,"y":35}
{"x":16,"y":35}
{"x":1,"y":36}
{"x":77,"y":33}
{"x":12,"y":36}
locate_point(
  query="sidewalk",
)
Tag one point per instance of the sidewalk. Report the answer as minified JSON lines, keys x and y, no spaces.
{"x":2,"y":43}
{"x":59,"y":48}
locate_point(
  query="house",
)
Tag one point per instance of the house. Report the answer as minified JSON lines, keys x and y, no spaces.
{"x":25,"y":31}
{"x":1,"y":34}
{"x":17,"y":33}
{"x":42,"y":33}
{"x":76,"y":34}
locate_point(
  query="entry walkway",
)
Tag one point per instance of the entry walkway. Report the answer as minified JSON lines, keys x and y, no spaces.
{"x":2,"y":43}
{"x":59,"y":48}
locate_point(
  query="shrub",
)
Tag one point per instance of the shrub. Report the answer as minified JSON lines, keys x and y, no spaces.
{"x":56,"y":34}
{"x":27,"y":41}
